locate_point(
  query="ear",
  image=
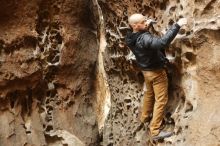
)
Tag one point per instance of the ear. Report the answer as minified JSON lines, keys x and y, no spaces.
{"x":134,"y":26}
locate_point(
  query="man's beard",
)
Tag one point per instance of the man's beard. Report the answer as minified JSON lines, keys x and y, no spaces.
{"x":146,"y":28}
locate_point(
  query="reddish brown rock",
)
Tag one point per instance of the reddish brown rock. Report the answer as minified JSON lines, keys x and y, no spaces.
{"x":48,"y":57}
{"x":67,"y":78}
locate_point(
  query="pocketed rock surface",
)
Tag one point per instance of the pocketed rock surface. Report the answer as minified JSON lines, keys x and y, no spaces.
{"x":67,"y":78}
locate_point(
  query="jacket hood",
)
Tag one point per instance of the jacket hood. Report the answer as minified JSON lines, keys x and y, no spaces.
{"x":131,"y":38}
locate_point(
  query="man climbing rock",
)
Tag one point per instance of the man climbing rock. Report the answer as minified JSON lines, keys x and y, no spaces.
{"x":148,"y":49}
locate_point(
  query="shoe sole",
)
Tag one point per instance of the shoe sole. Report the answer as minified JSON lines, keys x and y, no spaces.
{"x":159,"y":138}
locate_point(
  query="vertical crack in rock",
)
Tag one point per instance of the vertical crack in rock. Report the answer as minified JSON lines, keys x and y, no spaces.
{"x":102,"y":88}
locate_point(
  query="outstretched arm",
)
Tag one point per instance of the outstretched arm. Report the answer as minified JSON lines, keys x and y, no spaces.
{"x":166,"y":39}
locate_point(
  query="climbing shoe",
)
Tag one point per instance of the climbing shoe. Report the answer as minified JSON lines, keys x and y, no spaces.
{"x":162,"y":135}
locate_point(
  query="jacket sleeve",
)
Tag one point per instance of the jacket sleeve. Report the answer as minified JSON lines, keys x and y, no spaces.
{"x":164,"y":41}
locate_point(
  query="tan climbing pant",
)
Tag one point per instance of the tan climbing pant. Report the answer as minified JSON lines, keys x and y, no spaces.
{"x":155,"y":98}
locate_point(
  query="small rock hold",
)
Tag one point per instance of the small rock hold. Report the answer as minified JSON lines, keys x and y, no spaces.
{"x":24,"y":65}
{"x":51,"y":86}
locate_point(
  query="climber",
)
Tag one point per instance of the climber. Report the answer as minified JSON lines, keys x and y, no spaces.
{"x":148,"y":49}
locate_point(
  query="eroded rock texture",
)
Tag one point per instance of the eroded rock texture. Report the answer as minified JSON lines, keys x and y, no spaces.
{"x":48,"y":57}
{"x":192,"y":111}
{"x":59,"y":86}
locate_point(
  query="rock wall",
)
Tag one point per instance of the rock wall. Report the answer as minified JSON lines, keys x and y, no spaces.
{"x":192,"y":111}
{"x":47,"y":73}
{"x":67,"y":78}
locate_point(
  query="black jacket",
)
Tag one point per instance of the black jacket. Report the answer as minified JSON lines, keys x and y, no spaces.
{"x":148,"y":48}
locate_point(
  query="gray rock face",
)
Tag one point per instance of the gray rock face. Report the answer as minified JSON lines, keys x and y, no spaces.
{"x":67,"y":78}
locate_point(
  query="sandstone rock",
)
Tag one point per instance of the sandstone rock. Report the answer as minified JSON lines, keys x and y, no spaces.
{"x":48,"y":57}
{"x":192,"y":111}
{"x":67,"y":77}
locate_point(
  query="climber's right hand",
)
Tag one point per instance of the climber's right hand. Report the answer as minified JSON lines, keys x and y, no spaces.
{"x":182,"y":21}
